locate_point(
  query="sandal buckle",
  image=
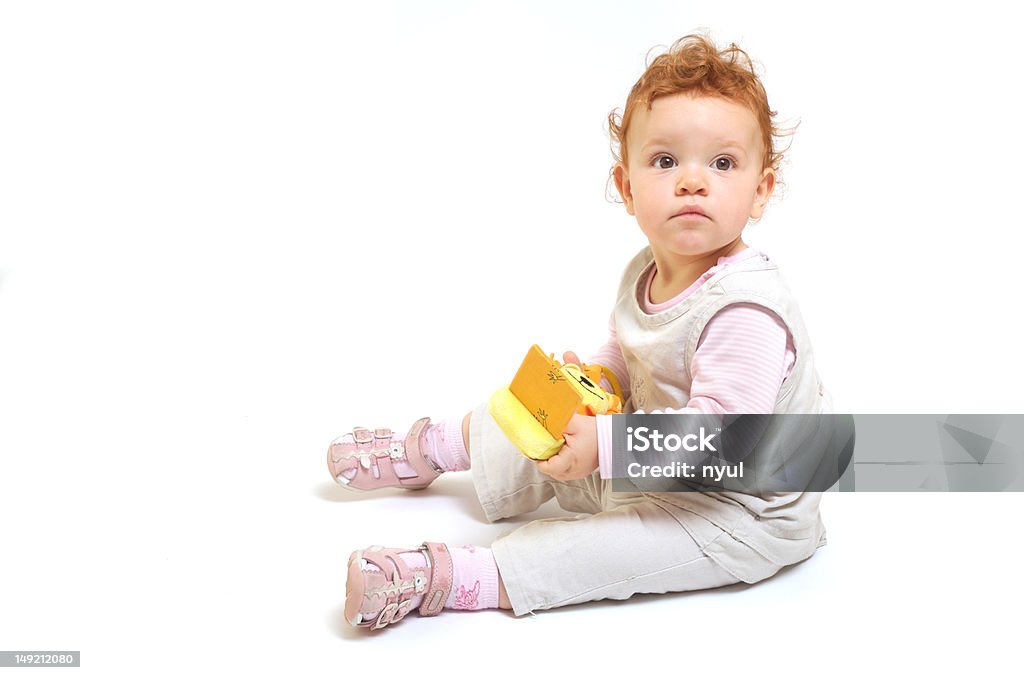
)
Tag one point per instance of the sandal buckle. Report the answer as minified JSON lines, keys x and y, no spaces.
{"x":385,"y":617}
{"x":392,"y":613}
{"x":404,"y":607}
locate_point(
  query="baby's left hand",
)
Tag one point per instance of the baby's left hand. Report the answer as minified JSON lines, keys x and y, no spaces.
{"x":578,"y":458}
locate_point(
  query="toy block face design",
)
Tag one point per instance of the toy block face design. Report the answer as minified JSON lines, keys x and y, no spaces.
{"x":552,"y":393}
{"x":593,"y":399}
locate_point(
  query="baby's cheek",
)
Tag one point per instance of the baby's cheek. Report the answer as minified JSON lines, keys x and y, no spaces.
{"x":648,"y":223}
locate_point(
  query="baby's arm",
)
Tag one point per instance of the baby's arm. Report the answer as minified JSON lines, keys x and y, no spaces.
{"x":741,"y":360}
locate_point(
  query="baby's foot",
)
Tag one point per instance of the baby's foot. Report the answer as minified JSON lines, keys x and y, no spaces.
{"x":365,"y":460}
{"x":385,"y":584}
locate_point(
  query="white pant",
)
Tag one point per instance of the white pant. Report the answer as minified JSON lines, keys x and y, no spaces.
{"x":626,"y":544}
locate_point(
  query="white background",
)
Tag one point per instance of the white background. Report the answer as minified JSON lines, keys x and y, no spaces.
{"x":230,"y":231}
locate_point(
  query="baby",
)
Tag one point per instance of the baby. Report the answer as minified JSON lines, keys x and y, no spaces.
{"x":701,"y":324}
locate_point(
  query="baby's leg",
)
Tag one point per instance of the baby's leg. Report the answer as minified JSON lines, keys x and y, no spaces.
{"x":635,"y":547}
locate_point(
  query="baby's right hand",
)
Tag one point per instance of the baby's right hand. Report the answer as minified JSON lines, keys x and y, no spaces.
{"x":578,"y":457}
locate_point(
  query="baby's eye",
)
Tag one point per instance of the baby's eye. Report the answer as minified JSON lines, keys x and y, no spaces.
{"x":663,"y":162}
{"x":723,"y":163}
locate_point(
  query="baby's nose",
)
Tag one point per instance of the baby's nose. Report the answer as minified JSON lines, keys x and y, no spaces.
{"x":691,"y":181}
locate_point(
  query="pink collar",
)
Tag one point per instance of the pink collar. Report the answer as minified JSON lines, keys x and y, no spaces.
{"x":652,"y":308}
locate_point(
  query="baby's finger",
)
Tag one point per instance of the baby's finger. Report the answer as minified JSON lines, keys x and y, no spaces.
{"x":544,"y":466}
{"x":555,"y":466}
{"x":571,"y":358}
{"x":545,"y":469}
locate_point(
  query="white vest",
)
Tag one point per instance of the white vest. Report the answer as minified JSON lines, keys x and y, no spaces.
{"x":752,"y":537}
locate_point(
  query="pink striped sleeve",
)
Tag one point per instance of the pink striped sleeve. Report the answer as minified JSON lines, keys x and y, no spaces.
{"x":609,"y":356}
{"x":741,"y":360}
{"x":604,"y":447}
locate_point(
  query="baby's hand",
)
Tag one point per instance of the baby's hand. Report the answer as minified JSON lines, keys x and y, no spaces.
{"x":578,"y":458}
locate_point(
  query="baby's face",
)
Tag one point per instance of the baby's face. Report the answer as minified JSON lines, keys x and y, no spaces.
{"x":695,"y":175}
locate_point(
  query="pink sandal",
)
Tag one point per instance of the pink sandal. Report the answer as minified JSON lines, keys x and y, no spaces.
{"x":372,"y":455}
{"x":388,"y":593}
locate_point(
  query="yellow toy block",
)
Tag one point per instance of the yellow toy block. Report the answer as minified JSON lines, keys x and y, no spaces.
{"x":535,"y":408}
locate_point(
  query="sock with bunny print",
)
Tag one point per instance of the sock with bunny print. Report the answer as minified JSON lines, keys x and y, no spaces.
{"x":475,"y":582}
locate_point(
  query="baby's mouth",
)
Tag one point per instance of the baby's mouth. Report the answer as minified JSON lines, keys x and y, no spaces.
{"x":691,"y":212}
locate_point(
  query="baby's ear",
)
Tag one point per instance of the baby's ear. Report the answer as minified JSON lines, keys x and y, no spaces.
{"x":621,"y":177}
{"x":763,"y":192}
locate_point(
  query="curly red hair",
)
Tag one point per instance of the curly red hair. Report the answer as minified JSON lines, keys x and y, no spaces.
{"x":694,"y":65}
